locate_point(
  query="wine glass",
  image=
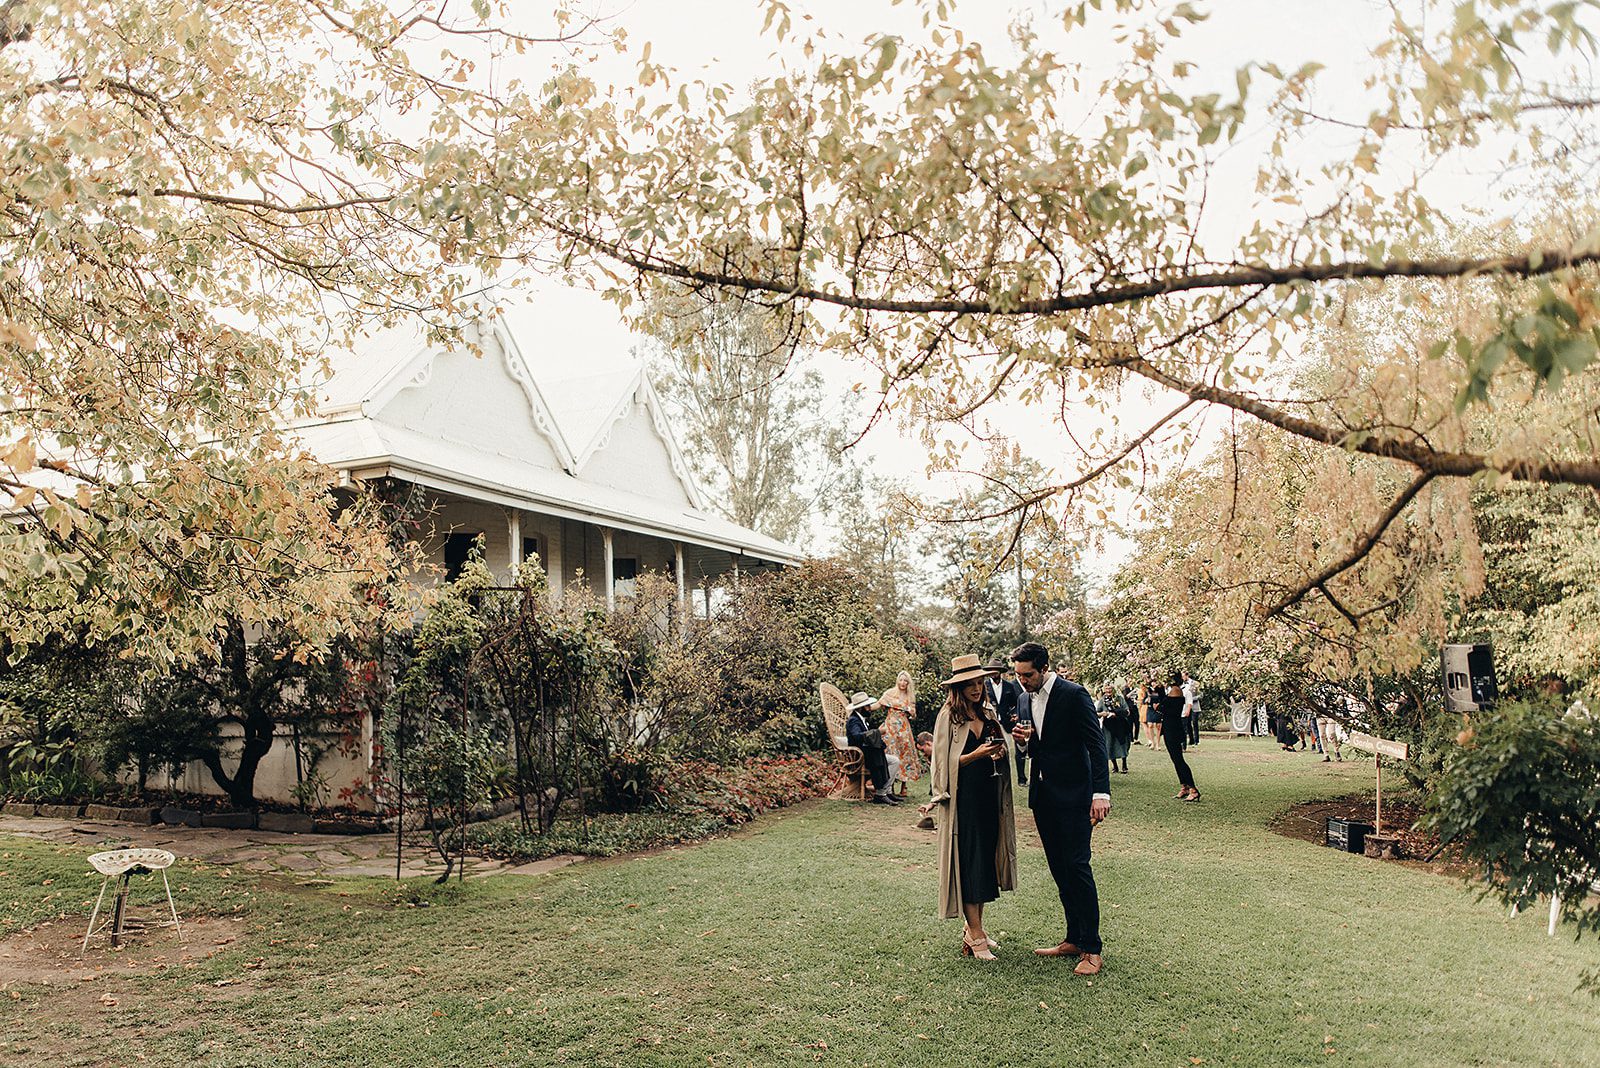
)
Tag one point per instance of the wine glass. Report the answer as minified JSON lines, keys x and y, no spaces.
{"x":993,"y":734}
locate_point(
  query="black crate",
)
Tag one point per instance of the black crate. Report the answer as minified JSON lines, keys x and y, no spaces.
{"x":1347,"y":835}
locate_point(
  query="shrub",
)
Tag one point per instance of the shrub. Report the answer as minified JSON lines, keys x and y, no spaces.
{"x":740,"y":792}
{"x":46,"y":699}
{"x":785,"y":632}
{"x":607,"y":835}
{"x":785,"y":734}
{"x":629,"y":780}
{"x":1521,"y":797}
{"x":701,"y":799}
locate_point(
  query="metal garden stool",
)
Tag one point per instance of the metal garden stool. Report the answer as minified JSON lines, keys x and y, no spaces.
{"x":128,"y":863}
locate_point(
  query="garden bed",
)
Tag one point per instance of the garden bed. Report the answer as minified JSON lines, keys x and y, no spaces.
{"x":697,"y":800}
{"x":1308,"y":821}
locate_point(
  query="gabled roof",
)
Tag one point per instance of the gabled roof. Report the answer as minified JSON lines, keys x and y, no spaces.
{"x":574,"y":412}
{"x":370,"y":376}
{"x":587,"y":403}
{"x":585,"y":411}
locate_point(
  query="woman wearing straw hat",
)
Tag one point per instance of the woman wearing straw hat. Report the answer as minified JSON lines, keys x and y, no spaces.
{"x":972,"y":793}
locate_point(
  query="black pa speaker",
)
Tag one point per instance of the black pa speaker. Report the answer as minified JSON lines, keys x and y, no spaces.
{"x":1469,"y":683}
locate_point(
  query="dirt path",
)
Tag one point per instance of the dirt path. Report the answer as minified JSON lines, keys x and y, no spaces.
{"x":264,"y":852}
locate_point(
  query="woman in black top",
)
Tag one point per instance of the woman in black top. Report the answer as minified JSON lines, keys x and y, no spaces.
{"x":972,"y":787}
{"x":1172,"y":712}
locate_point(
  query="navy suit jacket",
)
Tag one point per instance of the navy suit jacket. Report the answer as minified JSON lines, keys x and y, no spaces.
{"x":859,"y":734}
{"x":1006,"y":707}
{"x":1069,"y":755}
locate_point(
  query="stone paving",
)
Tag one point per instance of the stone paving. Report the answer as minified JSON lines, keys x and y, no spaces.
{"x":302,"y":855}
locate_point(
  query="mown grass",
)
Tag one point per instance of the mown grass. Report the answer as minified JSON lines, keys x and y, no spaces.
{"x":810,"y":939}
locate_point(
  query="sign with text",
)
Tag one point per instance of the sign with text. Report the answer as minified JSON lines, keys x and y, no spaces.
{"x":1377,"y":746}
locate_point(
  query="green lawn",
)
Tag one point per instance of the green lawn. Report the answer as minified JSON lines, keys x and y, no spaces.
{"x":810,"y":939}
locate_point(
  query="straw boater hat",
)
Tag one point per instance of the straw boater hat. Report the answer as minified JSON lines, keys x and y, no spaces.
{"x":859,"y":700}
{"x":965,"y":669}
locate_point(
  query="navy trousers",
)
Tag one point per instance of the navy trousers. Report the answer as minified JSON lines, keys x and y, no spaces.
{"x":1065,"y":837}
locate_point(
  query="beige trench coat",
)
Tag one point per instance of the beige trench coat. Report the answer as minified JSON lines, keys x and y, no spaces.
{"x":947,"y":746}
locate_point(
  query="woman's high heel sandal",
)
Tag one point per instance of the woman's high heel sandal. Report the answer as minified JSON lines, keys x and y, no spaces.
{"x":976,"y":947}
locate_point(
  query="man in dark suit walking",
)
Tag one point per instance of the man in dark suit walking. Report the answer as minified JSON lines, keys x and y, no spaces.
{"x":1070,"y":792}
{"x":1007,"y":697}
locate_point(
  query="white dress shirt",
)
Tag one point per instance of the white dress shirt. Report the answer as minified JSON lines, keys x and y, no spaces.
{"x":1040,"y":701}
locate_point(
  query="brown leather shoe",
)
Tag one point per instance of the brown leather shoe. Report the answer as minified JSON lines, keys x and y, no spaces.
{"x":1089,"y":964}
{"x":1065,"y":949}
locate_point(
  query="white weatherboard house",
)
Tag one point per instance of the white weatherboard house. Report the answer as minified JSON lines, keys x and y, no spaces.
{"x":579,"y":470}
{"x":576,"y":469}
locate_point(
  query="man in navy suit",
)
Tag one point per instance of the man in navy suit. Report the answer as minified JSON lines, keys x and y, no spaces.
{"x":1006,"y":696}
{"x":883,"y":767}
{"x":1069,"y":792}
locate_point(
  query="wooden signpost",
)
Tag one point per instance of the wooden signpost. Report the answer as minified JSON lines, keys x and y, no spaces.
{"x":1379,"y":748}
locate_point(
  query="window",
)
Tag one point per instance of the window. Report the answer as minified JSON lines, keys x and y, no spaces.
{"x":530,"y":548}
{"x":624,"y":570}
{"x":457,"y":547}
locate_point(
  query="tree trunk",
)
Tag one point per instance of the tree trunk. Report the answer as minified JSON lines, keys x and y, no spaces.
{"x":256,"y":743}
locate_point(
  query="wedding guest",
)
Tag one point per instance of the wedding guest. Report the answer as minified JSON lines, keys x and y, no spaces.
{"x":1172,"y":714}
{"x":1142,"y":700}
{"x":1005,"y":694}
{"x":1153,"y":723}
{"x":1116,"y":719}
{"x":972,"y":794}
{"x":882,"y":767}
{"x":1330,"y":733}
{"x":925,"y":747}
{"x":899,"y":703}
{"x":1191,"y":708}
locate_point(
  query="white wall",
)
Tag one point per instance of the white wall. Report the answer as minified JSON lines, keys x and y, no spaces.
{"x":275,"y":776}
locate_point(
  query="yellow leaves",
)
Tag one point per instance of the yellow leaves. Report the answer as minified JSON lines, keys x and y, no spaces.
{"x":21,"y":456}
{"x":23,"y":497}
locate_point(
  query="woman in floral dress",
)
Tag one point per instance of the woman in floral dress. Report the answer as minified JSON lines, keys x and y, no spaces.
{"x":899,"y":704}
